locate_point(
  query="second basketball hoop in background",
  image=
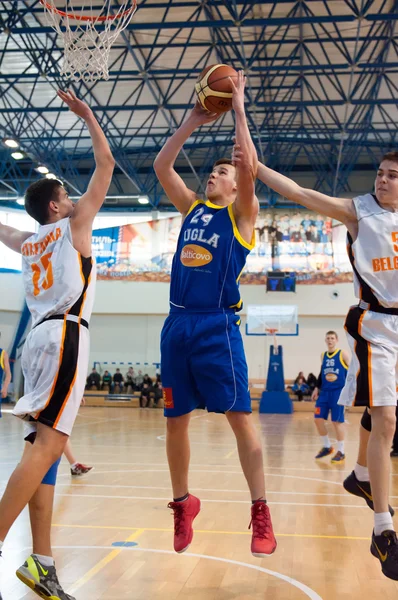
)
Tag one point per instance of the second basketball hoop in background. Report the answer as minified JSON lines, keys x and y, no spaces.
{"x":88,"y":30}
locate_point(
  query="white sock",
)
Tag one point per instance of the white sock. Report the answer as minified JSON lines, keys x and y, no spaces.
{"x":1,"y":545}
{"x":46,"y":561}
{"x":383,"y":521}
{"x":325,"y":441}
{"x":74,"y":465}
{"x":362,"y":473}
{"x":340,"y":447}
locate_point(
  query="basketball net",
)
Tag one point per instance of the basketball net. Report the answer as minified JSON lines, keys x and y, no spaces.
{"x":88,"y":34}
{"x":273,"y":332}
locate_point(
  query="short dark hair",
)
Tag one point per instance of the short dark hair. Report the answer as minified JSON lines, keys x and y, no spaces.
{"x":38,"y":196}
{"x":223,"y":161}
{"x":332,"y":333}
{"x":393,"y":156}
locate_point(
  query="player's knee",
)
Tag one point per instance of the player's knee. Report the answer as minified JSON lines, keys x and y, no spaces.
{"x":240,"y":422}
{"x":383,"y":425}
{"x":176,"y":425}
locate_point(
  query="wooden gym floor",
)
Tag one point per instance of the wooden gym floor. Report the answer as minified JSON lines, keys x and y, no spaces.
{"x":112,"y":531}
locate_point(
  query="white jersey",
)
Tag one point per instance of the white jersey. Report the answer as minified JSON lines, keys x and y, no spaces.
{"x":374,"y":254}
{"x":57,"y":279}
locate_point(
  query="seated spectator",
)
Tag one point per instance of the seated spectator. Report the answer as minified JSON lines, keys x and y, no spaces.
{"x":106,"y":380}
{"x":300,"y":375}
{"x":158,"y":393}
{"x":147,"y":380}
{"x":312,"y":382}
{"x":117,"y":381}
{"x":300,"y":388}
{"x":139,"y":380}
{"x":129,"y":381}
{"x":144,"y":397}
{"x":93,"y":379}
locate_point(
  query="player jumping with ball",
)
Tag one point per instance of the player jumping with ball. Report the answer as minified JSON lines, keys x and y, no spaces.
{"x":203,"y":360}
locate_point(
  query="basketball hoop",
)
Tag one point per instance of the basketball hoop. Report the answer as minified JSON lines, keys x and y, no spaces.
{"x":86,"y":48}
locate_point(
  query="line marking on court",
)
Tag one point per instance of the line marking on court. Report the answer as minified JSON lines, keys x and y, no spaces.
{"x":116,"y":471}
{"x":230,"y":454}
{"x":297,"y":584}
{"x":102,"y":563}
{"x":224,"y":490}
{"x":212,"y":501}
{"x":214,"y":532}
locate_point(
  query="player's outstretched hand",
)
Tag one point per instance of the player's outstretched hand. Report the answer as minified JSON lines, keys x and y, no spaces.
{"x":4,"y":393}
{"x":202,"y":116}
{"x":80,"y":108}
{"x":238,"y":92}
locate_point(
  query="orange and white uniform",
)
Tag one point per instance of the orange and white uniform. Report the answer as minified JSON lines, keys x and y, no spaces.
{"x":59,"y":286}
{"x":372,"y":326}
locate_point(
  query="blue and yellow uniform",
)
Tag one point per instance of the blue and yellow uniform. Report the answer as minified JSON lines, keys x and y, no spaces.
{"x":1,"y":372}
{"x":203,"y":360}
{"x":333,"y":376}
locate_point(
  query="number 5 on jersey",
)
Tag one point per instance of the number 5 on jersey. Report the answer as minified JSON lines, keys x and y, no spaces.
{"x":44,"y":265}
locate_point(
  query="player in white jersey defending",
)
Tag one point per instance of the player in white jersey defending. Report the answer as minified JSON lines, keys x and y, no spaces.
{"x":372,"y":325}
{"x":59,"y":279}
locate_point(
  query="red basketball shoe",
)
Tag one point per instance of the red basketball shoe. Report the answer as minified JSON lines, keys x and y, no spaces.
{"x":184,"y":514}
{"x":263,"y":539}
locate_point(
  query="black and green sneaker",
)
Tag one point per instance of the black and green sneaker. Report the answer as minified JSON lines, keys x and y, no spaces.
{"x":361,"y":489}
{"x":385,"y":548}
{"x":42,"y":580}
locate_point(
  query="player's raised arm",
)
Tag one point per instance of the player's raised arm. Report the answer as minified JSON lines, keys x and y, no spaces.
{"x":13,"y":238}
{"x":246,"y":204}
{"x":341,"y":209}
{"x":176,"y":190}
{"x":90,"y":203}
{"x":7,"y":375}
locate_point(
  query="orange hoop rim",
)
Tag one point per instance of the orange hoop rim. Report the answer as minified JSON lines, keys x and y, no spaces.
{"x":271,"y":331}
{"x":73,"y":17}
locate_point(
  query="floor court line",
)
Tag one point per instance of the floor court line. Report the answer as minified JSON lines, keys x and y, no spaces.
{"x":213,"y":532}
{"x":224,"y":490}
{"x":114,"y":471}
{"x":294,"y":582}
{"x":77,"y":485}
{"x":103,"y":563}
{"x":211,"y":500}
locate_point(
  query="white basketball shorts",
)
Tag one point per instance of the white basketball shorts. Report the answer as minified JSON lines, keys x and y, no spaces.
{"x":54,"y":363}
{"x":372,"y":378}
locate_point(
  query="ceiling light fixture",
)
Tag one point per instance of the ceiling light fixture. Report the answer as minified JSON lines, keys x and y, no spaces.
{"x":18,"y":155}
{"x":11,"y":143}
{"x":143,"y":200}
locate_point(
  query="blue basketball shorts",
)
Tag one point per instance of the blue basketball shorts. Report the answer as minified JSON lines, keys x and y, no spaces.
{"x":203,"y":364}
{"x":327,"y":402}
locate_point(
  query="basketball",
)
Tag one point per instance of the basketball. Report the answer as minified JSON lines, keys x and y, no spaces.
{"x":213,"y":88}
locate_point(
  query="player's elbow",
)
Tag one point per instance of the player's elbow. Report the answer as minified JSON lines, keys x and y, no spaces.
{"x":160,"y":165}
{"x":107,"y":163}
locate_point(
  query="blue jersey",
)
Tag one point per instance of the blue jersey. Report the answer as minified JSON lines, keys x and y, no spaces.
{"x":334,"y":371}
{"x":209,"y":259}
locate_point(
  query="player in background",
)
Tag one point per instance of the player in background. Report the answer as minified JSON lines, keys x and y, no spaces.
{"x":331,"y":381}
